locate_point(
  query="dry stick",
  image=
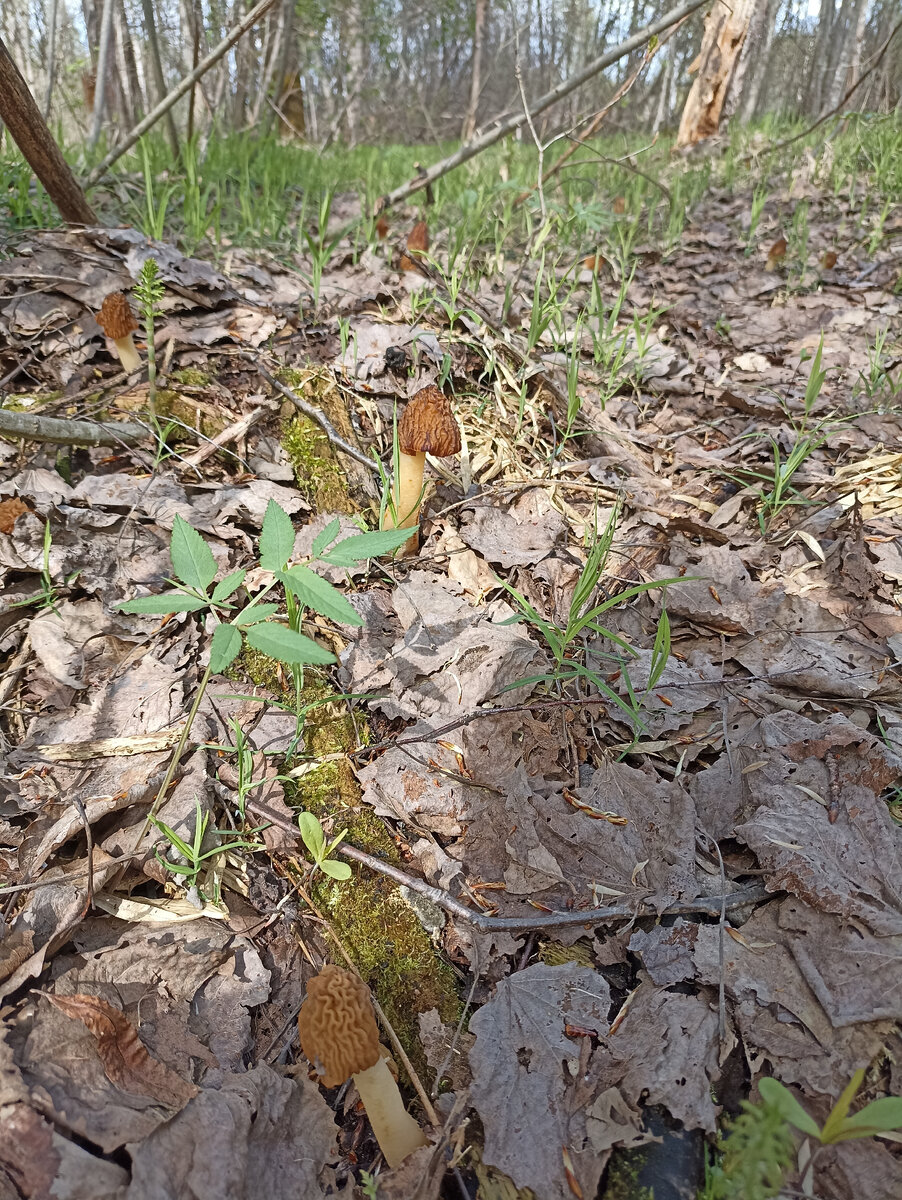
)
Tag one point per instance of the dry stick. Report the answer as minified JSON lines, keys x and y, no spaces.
{"x":600,"y":116}
{"x":854,"y":88}
{"x":711,"y":905}
{"x":180,"y":90}
{"x":21,"y":115}
{"x":491,"y":136}
{"x":315,"y":414}
{"x":36,"y":428}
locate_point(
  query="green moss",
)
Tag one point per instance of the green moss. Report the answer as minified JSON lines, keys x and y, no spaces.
{"x":378,"y":928}
{"x":192,"y":377}
{"x":622,"y":1181}
{"x":319,"y":475}
{"x":556,"y":953}
{"x":259,"y":668}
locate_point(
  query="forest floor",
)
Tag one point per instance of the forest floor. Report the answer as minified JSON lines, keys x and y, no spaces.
{"x":645,"y":661}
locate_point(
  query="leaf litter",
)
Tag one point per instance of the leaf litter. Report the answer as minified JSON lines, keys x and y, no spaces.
{"x":142,"y":1019}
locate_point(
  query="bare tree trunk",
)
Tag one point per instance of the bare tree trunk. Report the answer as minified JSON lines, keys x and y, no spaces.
{"x":469,"y":126}
{"x":355,"y":73}
{"x":725,"y":32}
{"x":51,"y":56}
{"x":749,"y":53}
{"x":101,"y":88}
{"x":662,"y":112}
{"x":156,"y":63}
{"x":855,"y":64}
{"x":22,"y":117}
{"x":820,"y":54}
{"x":761,"y":61}
{"x":844,"y":51}
{"x":130,"y":64}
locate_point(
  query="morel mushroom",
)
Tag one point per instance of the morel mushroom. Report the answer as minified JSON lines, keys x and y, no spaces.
{"x":427,"y":426}
{"x":117,"y":321}
{"x":340,"y":1037}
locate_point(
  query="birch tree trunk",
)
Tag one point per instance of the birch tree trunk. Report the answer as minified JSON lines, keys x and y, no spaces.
{"x":469,"y":126}
{"x":725,"y":33}
{"x":843,"y":51}
{"x":759,"y":65}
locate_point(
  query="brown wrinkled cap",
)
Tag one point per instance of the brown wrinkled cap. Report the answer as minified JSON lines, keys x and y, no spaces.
{"x":428,"y":426}
{"x":337,"y":1027}
{"x":116,"y":318}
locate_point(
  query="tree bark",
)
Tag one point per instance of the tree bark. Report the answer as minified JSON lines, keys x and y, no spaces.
{"x":759,"y":66}
{"x":469,"y":126}
{"x":23,"y":119}
{"x":852,"y":17}
{"x":725,"y":32}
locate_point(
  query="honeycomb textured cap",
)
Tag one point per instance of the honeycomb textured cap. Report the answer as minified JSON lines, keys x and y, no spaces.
{"x":337,"y":1027}
{"x":116,"y":318}
{"x":427,"y":425}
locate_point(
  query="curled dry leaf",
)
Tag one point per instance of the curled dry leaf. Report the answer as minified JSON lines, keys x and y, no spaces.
{"x":125,"y":1060}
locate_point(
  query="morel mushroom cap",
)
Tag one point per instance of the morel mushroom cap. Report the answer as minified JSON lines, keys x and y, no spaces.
{"x":116,"y":318}
{"x":337,"y":1026}
{"x":339,"y":1033}
{"x":427,"y":425}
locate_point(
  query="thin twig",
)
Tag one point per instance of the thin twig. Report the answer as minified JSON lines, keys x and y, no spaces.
{"x":711,"y":905}
{"x":315,"y":414}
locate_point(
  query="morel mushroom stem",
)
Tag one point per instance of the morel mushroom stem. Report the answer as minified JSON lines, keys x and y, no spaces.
{"x":394,"y":1128}
{"x":128,"y":353}
{"x":427,"y":426}
{"x":407,"y":492}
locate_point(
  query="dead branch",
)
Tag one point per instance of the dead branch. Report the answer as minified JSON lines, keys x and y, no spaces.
{"x":596,"y":121}
{"x":36,"y":428}
{"x":708,"y":905}
{"x":512,"y":123}
{"x":181,"y":89}
{"x":21,"y":115}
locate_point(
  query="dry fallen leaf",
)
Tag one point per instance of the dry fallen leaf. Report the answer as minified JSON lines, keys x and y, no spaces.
{"x":417,"y":245}
{"x":125,"y":1060}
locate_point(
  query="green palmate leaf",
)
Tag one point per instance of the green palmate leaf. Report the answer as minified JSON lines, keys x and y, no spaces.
{"x":276,"y":538}
{"x":228,"y":586}
{"x":168,"y":602}
{"x":225,"y":647}
{"x":774,"y":1094}
{"x":362,"y":546}
{"x":880,"y":1116}
{"x":192,"y":558}
{"x":326,"y":537}
{"x":287,"y":646}
{"x":311,"y":834}
{"x":255,"y":613}
{"x":314,"y":592}
{"x":335,"y":870}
